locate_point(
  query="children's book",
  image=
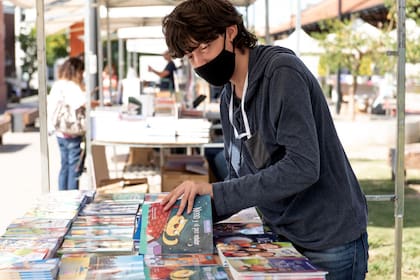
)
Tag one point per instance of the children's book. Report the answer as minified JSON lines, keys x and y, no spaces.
{"x":112,"y":245}
{"x":103,"y":220}
{"x":32,"y":269}
{"x":247,"y":249}
{"x":180,"y":260}
{"x":9,"y":256}
{"x":221,"y":229}
{"x":164,"y":232}
{"x":120,"y":197}
{"x":273,"y":268}
{"x":88,"y":266}
{"x":186,"y":272}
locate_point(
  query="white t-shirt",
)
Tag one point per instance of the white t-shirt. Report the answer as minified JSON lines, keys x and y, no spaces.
{"x":73,"y":95}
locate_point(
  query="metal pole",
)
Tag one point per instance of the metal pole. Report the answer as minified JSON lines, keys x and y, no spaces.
{"x":298,"y":29}
{"x":400,"y":180}
{"x":42,"y":96}
{"x":109,"y":52}
{"x":89,"y":60}
{"x":100,"y":52}
{"x":267,"y":23}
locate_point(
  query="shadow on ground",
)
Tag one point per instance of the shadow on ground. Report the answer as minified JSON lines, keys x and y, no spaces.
{"x":12,"y":148}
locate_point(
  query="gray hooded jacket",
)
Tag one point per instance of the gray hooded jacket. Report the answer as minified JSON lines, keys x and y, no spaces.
{"x":293,"y":168}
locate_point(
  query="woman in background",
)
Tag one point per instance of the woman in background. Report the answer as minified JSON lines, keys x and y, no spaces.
{"x":70,"y":88}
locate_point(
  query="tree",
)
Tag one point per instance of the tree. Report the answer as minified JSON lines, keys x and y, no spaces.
{"x":27,"y":42}
{"x":349,"y":46}
{"x":56,"y":47}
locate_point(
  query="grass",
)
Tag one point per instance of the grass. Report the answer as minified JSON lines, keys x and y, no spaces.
{"x":375,"y":178}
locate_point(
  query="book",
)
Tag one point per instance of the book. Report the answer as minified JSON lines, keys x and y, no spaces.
{"x":164,"y":232}
{"x":88,"y":266}
{"x":9,"y":256}
{"x":32,"y":269}
{"x":247,"y":249}
{"x":104,"y":220}
{"x":248,"y":215}
{"x":237,"y":228}
{"x":180,"y":260}
{"x":111,"y":245}
{"x":273,"y":268}
{"x":202,"y":272}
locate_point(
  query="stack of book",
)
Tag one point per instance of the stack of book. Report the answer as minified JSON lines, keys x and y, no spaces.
{"x":250,"y":252}
{"x":90,"y":266}
{"x":46,"y":269}
{"x":105,"y":226}
{"x":33,"y":238}
{"x":179,"y":246}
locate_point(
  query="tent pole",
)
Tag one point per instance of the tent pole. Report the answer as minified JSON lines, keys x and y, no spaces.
{"x":400,"y":180}
{"x":89,"y":62}
{"x":42,"y":96}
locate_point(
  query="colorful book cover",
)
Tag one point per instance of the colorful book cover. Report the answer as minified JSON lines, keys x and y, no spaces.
{"x":96,"y":231}
{"x":164,"y":232}
{"x":180,"y":260}
{"x":103,"y":220}
{"x":32,"y":269}
{"x":120,"y":197}
{"x":249,"y":249}
{"x":39,"y":223}
{"x":88,"y":266}
{"x":235,"y":228}
{"x":186,"y":272}
{"x":110,"y":245}
{"x":271,"y":267}
{"x":9,"y":256}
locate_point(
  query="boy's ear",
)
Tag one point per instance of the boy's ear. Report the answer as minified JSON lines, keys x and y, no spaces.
{"x":231,"y":32}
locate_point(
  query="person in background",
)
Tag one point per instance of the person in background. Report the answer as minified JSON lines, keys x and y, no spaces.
{"x":167,"y":81}
{"x":69,"y":86}
{"x":283,"y":152}
{"x":110,"y":85}
{"x":130,"y":86}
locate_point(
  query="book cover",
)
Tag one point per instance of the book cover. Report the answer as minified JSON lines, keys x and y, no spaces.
{"x":112,"y":245}
{"x":180,"y":260}
{"x":186,"y":272}
{"x":9,"y":256}
{"x":88,"y":266}
{"x":32,"y":269}
{"x":104,"y":220}
{"x":235,"y":228}
{"x":164,"y":232}
{"x":276,"y":268}
{"x":249,"y":249}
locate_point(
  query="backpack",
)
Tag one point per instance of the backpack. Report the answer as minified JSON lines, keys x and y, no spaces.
{"x":69,"y":121}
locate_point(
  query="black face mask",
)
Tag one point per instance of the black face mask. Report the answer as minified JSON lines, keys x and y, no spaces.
{"x":219,"y":70}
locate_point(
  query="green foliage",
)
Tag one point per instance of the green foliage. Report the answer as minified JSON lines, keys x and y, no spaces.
{"x":412,"y":12}
{"x":56,"y":47}
{"x":28,"y":45}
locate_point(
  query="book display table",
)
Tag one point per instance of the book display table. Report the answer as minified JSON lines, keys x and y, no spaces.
{"x":126,"y":235}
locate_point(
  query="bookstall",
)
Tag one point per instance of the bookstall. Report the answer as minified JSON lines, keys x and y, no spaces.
{"x":116,"y":233}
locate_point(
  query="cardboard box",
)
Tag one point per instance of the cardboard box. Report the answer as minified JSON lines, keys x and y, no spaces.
{"x":179,"y":168}
{"x":171,"y":179}
{"x":140,"y":156}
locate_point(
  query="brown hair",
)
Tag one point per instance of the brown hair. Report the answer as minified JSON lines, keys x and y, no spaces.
{"x":200,"y":21}
{"x":72,"y":70}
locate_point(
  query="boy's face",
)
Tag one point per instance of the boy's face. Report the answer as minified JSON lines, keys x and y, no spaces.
{"x":205,"y":52}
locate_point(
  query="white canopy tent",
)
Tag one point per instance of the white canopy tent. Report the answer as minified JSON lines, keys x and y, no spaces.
{"x":305,"y":46}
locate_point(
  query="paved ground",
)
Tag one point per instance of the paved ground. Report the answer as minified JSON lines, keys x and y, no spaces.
{"x":20,"y":160}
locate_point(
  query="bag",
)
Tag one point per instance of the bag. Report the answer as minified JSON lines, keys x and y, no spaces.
{"x":69,"y":121}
